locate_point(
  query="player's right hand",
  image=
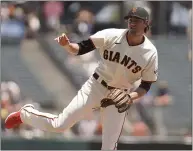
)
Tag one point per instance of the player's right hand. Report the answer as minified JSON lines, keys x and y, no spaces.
{"x":62,"y":40}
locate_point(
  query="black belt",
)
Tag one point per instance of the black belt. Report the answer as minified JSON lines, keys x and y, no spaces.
{"x":96,"y":76}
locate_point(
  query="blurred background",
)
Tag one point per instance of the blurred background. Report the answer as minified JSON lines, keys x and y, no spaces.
{"x":35,"y":69}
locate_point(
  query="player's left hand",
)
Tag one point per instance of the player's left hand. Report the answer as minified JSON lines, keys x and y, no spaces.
{"x":119,"y":98}
{"x":63,"y":40}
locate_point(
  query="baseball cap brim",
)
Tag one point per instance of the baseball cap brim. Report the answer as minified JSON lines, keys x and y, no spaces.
{"x":127,"y":17}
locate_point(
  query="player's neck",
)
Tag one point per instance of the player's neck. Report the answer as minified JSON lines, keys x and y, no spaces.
{"x":134,"y":40}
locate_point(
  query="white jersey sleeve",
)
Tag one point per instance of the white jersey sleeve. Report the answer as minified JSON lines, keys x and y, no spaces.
{"x":99,"y":38}
{"x":103,"y":38}
{"x":150,"y":73}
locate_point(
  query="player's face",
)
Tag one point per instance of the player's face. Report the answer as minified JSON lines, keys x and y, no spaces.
{"x":136,"y":25}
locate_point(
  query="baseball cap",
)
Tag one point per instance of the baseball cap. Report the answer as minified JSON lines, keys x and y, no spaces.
{"x":137,"y":12}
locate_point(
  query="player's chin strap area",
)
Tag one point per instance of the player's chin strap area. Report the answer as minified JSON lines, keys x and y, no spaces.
{"x":96,"y":76}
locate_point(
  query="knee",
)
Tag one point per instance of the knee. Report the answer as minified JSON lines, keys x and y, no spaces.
{"x":60,"y":124}
{"x":57,"y":124}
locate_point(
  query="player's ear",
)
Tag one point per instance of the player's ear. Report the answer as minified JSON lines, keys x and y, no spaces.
{"x":146,"y":22}
{"x":146,"y":25}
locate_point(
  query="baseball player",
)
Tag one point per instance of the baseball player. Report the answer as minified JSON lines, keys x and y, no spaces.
{"x":127,"y":56}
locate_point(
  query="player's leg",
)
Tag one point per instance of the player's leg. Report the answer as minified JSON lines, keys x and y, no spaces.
{"x":87,"y":98}
{"x":112,"y":126}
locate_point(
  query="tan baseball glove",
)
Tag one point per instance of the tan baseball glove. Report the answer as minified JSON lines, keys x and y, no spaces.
{"x":119,"y":98}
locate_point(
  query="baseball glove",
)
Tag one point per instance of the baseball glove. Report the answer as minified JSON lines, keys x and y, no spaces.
{"x":119,"y":98}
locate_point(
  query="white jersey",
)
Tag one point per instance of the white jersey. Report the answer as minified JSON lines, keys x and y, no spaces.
{"x":122,"y":65}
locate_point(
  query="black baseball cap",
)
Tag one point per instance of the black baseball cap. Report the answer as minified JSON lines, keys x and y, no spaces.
{"x":138,"y":12}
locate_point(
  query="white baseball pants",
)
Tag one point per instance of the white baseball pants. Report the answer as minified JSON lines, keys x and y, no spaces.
{"x":88,"y":97}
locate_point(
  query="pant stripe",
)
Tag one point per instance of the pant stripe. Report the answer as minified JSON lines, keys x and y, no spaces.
{"x":119,"y":134}
{"x":45,"y":116}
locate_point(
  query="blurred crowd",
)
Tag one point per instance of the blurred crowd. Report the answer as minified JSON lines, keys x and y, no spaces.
{"x":21,"y":15}
{"x":11,"y":101}
{"x":80,"y":18}
{"x":146,"y":116}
